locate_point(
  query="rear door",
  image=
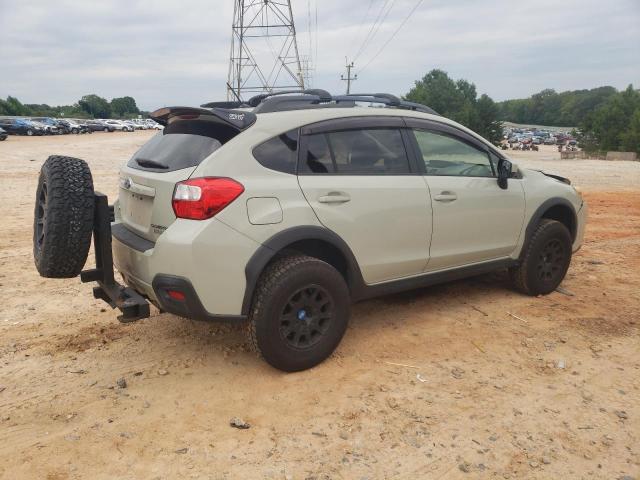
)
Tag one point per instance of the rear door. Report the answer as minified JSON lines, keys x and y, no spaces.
{"x":474,"y":220}
{"x":148,"y":180}
{"x":359,"y":180}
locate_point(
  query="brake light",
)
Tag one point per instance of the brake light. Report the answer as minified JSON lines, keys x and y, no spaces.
{"x":176,"y":295}
{"x":202,"y":198}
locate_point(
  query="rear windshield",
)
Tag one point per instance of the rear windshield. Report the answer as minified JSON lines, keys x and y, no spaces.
{"x":181,"y":144}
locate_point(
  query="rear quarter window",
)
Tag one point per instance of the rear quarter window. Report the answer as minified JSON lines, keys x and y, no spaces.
{"x":279,"y":153}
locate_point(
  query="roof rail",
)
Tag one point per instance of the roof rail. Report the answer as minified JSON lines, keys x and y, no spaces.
{"x":323,"y":94}
{"x":387,"y":99}
{"x":316,"y":98}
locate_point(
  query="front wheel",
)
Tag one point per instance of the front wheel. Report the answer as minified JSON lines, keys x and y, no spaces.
{"x":545,"y":260}
{"x":106,"y":129}
{"x":30,"y":133}
{"x":299,"y":313}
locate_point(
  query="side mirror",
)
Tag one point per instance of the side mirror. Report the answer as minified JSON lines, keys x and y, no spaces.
{"x":504,"y":172}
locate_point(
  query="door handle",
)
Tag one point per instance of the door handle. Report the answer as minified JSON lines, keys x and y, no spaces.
{"x":445,"y":197}
{"x":334,"y":197}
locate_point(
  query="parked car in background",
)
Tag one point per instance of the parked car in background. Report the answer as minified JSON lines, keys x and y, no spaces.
{"x":140,"y":125}
{"x":51,"y":125}
{"x":536,"y":140}
{"x":3,"y":134}
{"x":49,"y":129}
{"x":130,"y":124}
{"x":550,"y":141}
{"x":118,"y":125}
{"x":20,"y":126}
{"x":71,"y":126}
{"x":99,"y":126}
{"x":84,"y":128}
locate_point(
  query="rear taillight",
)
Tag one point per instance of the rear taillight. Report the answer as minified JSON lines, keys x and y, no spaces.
{"x":202,"y":198}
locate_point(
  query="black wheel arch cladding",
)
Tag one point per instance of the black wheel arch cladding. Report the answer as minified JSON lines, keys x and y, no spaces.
{"x":282,"y":240}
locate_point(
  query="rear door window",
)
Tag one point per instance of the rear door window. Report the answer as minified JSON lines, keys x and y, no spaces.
{"x":378,"y":151}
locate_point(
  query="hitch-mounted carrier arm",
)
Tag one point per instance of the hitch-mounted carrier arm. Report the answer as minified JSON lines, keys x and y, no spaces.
{"x":132,"y":305}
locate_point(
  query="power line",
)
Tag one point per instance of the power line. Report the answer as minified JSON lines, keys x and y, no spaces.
{"x":316,"y":26}
{"x":415,"y":7}
{"x":380,"y":24}
{"x":362,"y":22}
{"x":373,"y":25}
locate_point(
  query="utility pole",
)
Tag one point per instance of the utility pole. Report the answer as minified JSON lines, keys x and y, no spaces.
{"x":348,"y":78}
{"x":264,"y":50}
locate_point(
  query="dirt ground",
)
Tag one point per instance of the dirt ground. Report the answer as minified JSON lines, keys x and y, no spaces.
{"x":464,"y":380}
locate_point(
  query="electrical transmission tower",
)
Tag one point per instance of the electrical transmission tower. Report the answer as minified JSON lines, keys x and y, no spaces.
{"x":264,"y":51}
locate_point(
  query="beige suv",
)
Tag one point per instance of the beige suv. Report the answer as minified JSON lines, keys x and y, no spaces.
{"x":282,"y":211}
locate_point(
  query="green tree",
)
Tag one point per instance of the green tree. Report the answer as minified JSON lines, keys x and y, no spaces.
{"x":95,"y":106}
{"x":124,"y":106}
{"x":615,"y":125}
{"x":458,"y":101}
{"x":566,"y":109}
{"x":13,"y":106}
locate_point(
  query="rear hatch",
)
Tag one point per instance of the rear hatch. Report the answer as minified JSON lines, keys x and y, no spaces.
{"x":148,"y":180}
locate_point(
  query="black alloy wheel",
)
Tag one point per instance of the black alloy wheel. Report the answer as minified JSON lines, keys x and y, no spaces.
{"x":306,"y":317}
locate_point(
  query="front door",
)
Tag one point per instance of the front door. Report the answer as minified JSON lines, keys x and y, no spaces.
{"x":360,"y":184}
{"x":474,"y":220}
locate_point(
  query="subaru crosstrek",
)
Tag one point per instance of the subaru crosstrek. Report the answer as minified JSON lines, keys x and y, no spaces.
{"x":281,"y":212}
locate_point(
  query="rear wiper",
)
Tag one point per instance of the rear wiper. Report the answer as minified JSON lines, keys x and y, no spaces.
{"x":145,"y":162}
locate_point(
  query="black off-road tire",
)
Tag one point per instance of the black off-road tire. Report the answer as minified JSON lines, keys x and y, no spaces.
{"x":323,"y":293}
{"x":545,"y":260}
{"x":63,"y":217}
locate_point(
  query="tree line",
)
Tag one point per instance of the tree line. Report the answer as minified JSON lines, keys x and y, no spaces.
{"x":89,"y":106}
{"x":605,"y":118}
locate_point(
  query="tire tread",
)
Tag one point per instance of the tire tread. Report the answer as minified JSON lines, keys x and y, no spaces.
{"x":69,"y":217}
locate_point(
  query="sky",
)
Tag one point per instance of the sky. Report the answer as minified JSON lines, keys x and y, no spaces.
{"x":168,"y":52}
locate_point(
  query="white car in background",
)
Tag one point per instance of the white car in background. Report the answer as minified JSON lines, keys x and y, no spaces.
{"x":117,"y":125}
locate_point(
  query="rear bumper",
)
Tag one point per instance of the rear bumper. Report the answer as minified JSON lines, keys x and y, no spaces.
{"x":176,"y":295}
{"x":204,"y":260}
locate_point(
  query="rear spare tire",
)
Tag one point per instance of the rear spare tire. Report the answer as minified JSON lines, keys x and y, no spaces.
{"x":63,"y":217}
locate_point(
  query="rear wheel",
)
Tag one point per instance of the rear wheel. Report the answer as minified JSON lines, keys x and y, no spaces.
{"x":300,"y":312}
{"x":30,"y":132}
{"x":106,"y":129}
{"x":63,"y":217}
{"x":545,"y":261}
